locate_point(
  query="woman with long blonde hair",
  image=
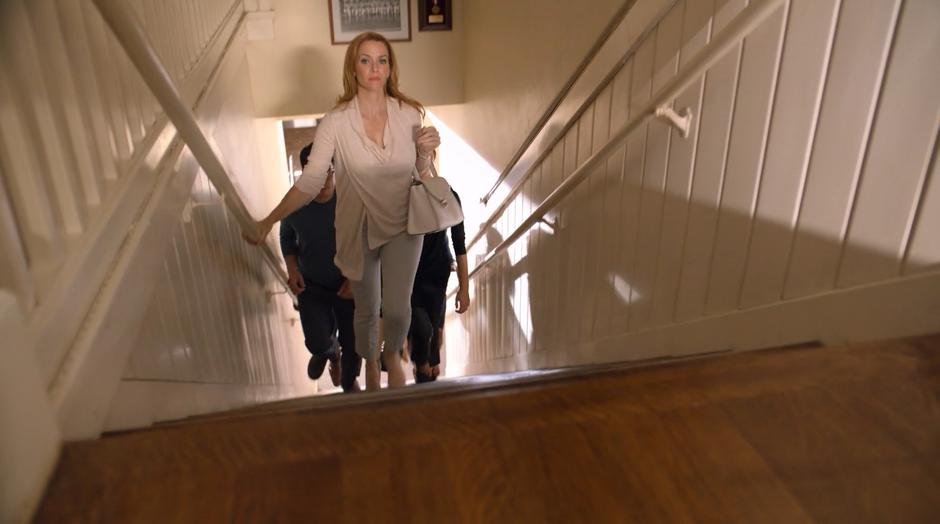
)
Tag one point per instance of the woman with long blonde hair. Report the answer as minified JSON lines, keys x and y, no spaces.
{"x":375,"y":140}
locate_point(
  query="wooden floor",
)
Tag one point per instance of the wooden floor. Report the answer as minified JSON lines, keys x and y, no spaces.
{"x":835,"y":434}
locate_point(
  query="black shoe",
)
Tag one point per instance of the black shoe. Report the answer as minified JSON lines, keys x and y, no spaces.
{"x":421,"y":378}
{"x":315,"y":367}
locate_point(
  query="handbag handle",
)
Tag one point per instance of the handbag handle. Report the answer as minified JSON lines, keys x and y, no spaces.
{"x":416,"y":177}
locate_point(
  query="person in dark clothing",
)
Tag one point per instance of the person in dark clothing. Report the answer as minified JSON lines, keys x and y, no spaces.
{"x":428,"y":298}
{"x":308,"y":243}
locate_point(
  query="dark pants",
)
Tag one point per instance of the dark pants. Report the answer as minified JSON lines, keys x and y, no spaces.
{"x":428,"y":304}
{"x":321,"y":314}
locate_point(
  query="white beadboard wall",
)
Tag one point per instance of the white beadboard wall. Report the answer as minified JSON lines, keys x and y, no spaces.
{"x":139,"y":300}
{"x":803,"y":206}
{"x":221,"y":333}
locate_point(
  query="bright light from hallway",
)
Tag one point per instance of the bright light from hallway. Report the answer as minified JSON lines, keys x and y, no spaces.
{"x":520,"y":305}
{"x":467,"y":172}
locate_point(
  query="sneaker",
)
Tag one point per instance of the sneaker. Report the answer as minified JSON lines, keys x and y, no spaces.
{"x":336,"y":369}
{"x":315,"y":367}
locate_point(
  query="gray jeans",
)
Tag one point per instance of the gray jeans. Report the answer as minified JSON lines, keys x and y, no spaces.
{"x":388,"y":274}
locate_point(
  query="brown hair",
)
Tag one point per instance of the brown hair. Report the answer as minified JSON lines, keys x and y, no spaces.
{"x":351,"y":87}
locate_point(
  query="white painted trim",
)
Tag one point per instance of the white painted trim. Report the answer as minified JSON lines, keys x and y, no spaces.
{"x":140,"y":403}
{"x":902,"y":307}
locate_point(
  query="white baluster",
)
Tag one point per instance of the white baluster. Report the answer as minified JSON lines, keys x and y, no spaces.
{"x":14,"y":269}
{"x":42,"y":126}
{"x":111,"y":94}
{"x":77,"y":46}
{"x":125,"y":73}
{"x":58,"y":74}
{"x":187,"y":12}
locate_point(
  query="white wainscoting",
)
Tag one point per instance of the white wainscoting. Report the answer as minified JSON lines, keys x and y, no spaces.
{"x":804,"y":199}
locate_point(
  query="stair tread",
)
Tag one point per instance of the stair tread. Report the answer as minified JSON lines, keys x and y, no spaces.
{"x":808,"y":433}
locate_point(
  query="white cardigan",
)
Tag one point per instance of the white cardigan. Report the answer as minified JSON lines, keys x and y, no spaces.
{"x":372,"y":183}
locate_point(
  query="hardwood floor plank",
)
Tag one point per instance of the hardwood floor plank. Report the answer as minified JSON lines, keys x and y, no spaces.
{"x":840,"y":466}
{"x":845,"y":433}
{"x":731,"y":469}
{"x":297,"y":491}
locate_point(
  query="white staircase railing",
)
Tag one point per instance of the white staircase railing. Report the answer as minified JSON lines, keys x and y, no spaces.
{"x":81,"y":134}
{"x":743,"y":24}
{"x":158,"y":78}
{"x":89,"y":162}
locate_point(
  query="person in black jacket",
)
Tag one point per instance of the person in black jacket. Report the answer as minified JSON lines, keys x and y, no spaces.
{"x":308,"y":243}
{"x":428,"y":298}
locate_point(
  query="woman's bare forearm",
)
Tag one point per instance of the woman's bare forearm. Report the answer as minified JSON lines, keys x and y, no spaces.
{"x":423,"y":164}
{"x":292,"y":201}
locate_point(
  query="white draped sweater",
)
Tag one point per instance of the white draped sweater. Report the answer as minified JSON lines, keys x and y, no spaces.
{"x":372,"y":182}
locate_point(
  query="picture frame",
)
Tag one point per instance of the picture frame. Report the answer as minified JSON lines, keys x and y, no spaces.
{"x":435,"y":15}
{"x":390,"y":18}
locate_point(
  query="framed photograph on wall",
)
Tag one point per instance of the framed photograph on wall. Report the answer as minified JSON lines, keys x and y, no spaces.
{"x":434,"y":15}
{"x":390,"y":18}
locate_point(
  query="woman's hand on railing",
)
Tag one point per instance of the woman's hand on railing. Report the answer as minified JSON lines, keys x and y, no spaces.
{"x":258,"y":233}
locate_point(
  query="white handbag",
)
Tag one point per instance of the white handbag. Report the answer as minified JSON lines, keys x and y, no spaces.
{"x":432,"y":206}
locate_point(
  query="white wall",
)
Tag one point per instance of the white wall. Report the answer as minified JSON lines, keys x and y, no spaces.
{"x":517,"y":55}
{"x":801,"y":207}
{"x":299,"y":71}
